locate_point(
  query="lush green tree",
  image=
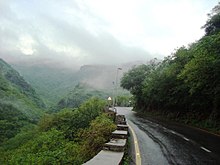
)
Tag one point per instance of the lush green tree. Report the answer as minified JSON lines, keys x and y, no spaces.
{"x":20,"y":106}
{"x":80,"y":94}
{"x":202,"y":74}
{"x":49,"y":147}
{"x":133,"y":81}
{"x":96,"y":135}
{"x":11,"y":121}
{"x":124,"y":100}
{"x":185,"y":83}
{"x":70,"y":120}
{"x":212,"y":26}
{"x":162,"y":89}
{"x":71,"y":136}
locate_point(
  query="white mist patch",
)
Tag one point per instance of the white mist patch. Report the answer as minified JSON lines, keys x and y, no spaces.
{"x":26,"y":45}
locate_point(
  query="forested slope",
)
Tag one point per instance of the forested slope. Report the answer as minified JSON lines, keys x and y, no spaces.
{"x":28,"y":135}
{"x":54,"y":82}
{"x":185,"y":85}
{"x":80,"y":94}
{"x":71,"y":136}
{"x":19,"y":104}
{"x":50,"y":82}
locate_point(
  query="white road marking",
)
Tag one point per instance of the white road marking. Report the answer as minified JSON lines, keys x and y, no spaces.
{"x":205,"y":149}
{"x":185,"y":138}
{"x":173,"y":132}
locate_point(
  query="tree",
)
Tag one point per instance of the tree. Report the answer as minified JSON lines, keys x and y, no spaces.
{"x":96,"y":135}
{"x":212,"y":26}
{"x":51,"y":143}
{"x":49,"y":147}
{"x":133,"y":81}
{"x":202,"y":74}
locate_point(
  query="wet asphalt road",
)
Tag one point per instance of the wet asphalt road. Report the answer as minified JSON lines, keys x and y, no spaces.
{"x":166,"y":144}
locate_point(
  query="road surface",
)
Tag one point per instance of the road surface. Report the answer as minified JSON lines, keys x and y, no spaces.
{"x":166,"y":144}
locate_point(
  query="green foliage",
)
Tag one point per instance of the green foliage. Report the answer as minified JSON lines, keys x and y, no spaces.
{"x":70,"y":120}
{"x":11,"y":121}
{"x":202,"y":74}
{"x":96,"y":135}
{"x":54,"y":82}
{"x":19,"y":104}
{"x":49,"y":147}
{"x":50,"y":82}
{"x":185,"y":85}
{"x":80,"y":94}
{"x":212,"y":26}
{"x":71,"y":136}
{"x":187,"y":82}
{"x":127,"y":158}
{"x":133,"y":81}
{"x":124,"y":100}
{"x":27,"y":132}
{"x":13,"y":78}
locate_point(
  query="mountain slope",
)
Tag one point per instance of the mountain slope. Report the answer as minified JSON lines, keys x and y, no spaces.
{"x":50,"y":82}
{"x":54,"y":82}
{"x":78,"y":95}
{"x":19,"y":104}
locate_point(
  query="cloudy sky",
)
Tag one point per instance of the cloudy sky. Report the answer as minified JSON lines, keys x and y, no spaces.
{"x":99,"y":31}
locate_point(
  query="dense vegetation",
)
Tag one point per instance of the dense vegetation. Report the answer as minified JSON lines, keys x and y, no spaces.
{"x":28,"y":135}
{"x":54,"y":82}
{"x":124,"y":100}
{"x":78,"y":95}
{"x":19,"y":104}
{"x":185,"y":85}
{"x":71,"y":136}
{"x":50,"y":82}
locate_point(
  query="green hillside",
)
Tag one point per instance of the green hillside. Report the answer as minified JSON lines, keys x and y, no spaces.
{"x":28,"y":135}
{"x":51,"y":83}
{"x":19,"y":104}
{"x":80,"y":94}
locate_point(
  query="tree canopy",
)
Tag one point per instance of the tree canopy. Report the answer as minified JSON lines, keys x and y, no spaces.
{"x":186,"y":82}
{"x":71,"y":136}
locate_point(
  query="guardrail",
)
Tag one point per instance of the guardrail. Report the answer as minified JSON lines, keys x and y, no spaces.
{"x":113,"y":151}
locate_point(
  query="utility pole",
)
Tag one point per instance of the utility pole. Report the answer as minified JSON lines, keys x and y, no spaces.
{"x":116,"y":86}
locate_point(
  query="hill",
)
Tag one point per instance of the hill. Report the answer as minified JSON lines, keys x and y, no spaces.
{"x":78,"y":95}
{"x":54,"y":83}
{"x":19,"y":103}
{"x":50,"y":82}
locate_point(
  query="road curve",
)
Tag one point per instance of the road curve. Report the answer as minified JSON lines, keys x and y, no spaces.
{"x":161,"y":144}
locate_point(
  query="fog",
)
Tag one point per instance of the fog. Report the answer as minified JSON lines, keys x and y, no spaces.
{"x":79,"y":32}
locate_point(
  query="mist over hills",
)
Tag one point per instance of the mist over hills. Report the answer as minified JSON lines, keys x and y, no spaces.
{"x":13,"y":81}
{"x":78,"y":95}
{"x":54,"y":82}
{"x":50,"y":83}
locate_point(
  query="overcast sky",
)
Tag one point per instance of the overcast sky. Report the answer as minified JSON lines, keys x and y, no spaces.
{"x":99,"y":31}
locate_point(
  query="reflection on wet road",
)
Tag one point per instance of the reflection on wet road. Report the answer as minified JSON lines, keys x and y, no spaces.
{"x":162,"y":146}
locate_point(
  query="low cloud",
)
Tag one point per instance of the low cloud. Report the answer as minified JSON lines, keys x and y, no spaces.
{"x":80,"y":32}
{"x":59,"y":34}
